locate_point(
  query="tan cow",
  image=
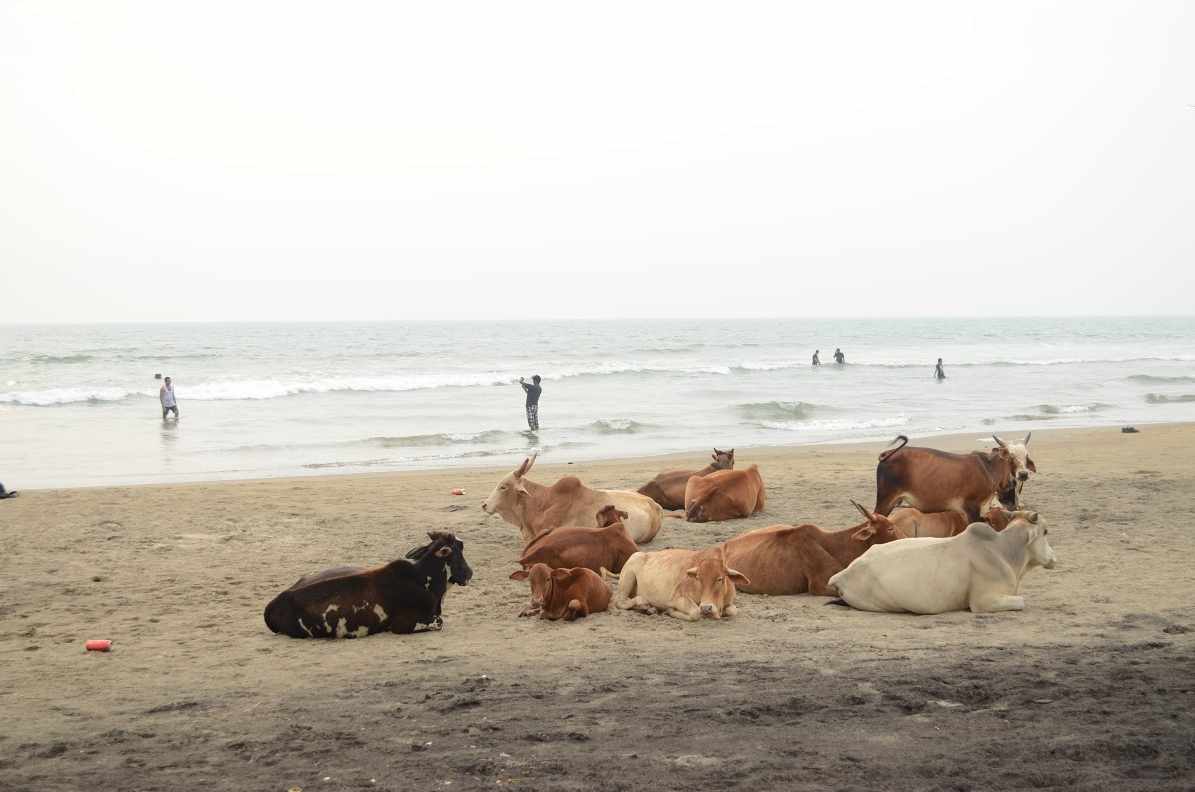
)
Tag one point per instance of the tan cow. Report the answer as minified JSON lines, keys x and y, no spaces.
{"x":537,"y":508}
{"x":915,"y":523}
{"x":685,"y":584}
{"x":800,"y":559}
{"x":668,"y":489}
{"x":724,"y":495}
{"x":563,"y":593}
{"x":606,"y":547}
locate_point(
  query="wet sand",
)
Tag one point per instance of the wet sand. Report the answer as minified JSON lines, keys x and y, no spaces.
{"x":1092,"y":686}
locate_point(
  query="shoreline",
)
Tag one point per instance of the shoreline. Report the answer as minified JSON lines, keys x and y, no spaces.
{"x":957,"y":441}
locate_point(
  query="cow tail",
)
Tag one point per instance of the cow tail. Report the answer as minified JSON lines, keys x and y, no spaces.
{"x":902,"y":439}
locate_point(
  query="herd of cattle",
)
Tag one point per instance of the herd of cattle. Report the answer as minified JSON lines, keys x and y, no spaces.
{"x":947,"y":533}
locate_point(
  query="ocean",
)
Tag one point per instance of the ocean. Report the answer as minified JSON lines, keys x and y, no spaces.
{"x":79,"y":406}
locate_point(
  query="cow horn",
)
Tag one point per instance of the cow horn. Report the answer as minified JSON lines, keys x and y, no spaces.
{"x":1000,"y":442}
{"x":866,"y":513}
{"x":1027,"y":438}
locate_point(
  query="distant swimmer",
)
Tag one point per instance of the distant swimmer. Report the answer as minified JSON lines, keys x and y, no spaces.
{"x":533,"y":391}
{"x":169,"y":403}
{"x":938,"y":372}
{"x":816,"y":360}
{"x":839,"y":358}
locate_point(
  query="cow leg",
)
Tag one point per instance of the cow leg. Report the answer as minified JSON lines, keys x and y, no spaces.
{"x":530,"y":610}
{"x":687,"y":615}
{"x":820,"y":566}
{"x":993,"y":603}
{"x":403,"y":622}
{"x":576,"y":610}
{"x":730,"y":610}
{"x":625,"y":599}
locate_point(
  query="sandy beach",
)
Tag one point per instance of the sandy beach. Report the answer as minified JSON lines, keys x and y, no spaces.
{"x":1090,"y":687}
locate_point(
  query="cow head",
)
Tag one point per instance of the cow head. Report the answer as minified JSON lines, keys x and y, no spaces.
{"x":1022,"y":463}
{"x":608,"y":515}
{"x":541,"y":578}
{"x":1037,"y":546}
{"x":451,"y":551}
{"x":715,"y":585}
{"x":999,"y":518}
{"x":877,"y":530}
{"x":505,"y":499}
{"x":723,"y":460}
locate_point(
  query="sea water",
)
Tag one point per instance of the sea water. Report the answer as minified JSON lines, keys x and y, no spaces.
{"x":79,"y":403}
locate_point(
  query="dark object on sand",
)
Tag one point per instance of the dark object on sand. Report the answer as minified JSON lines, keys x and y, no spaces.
{"x":1128,"y":430}
{"x":6,"y":494}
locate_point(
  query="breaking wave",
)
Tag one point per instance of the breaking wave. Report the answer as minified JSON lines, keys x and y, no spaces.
{"x":443,"y":439}
{"x":835,"y":424}
{"x":617,"y":426}
{"x":777,"y":410}
{"x":1162,"y":398}
{"x":1155,"y":378}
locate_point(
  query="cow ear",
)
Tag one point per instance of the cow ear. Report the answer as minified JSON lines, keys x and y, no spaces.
{"x":691,"y":572}
{"x":738,"y":577}
{"x":1029,"y":464}
{"x":519,"y":574}
{"x":1032,"y":517}
{"x":864,"y":533}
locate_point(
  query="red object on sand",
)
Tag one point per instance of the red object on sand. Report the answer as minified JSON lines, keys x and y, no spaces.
{"x":98,"y":645}
{"x":458,"y":492}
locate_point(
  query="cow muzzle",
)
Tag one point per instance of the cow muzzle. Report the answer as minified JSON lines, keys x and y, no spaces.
{"x":708,"y":611}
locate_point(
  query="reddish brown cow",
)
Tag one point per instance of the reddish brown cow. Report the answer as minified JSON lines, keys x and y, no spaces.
{"x":936,"y":481}
{"x":724,"y":495}
{"x":800,"y":559}
{"x":563,"y":593}
{"x":608,"y":546}
{"x":668,"y":489}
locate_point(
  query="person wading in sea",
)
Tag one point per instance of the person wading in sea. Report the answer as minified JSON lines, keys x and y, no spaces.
{"x":939,"y":374}
{"x":533,"y":391}
{"x":816,"y":360}
{"x":839,"y":358}
{"x":166,"y":395}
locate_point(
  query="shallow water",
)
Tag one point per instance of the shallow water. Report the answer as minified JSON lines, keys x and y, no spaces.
{"x":78,"y":403}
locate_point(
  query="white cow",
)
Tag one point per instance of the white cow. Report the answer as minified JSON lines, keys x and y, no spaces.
{"x":685,"y":584}
{"x":979,"y":569}
{"x":537,"y":508}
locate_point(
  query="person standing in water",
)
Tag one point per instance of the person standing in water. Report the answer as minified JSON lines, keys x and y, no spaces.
{"x":816,"y":360}
{"x":839,"y":358}
{"x":166,"y":396}
{"x":533,"y":391}
{"x":939,"y":374}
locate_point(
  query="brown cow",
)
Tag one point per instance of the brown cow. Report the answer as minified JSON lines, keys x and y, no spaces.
{"x":916,"y":523}
{"x":608,"y":546}
{"x":563,"y":593}
{"x":800,"y":559}
{"x":935,"y":481}
{"x":724,"y":495}
{"x":536,"y":508}
{"x":668,"y":489}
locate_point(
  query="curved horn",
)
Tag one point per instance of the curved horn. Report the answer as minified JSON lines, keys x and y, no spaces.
{"x":866,"y":513}
{"x":1000,"y":442}
{"x":1027,"y":438}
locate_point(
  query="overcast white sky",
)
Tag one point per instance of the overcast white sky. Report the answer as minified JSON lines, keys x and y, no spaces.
{"x":455,"y":160}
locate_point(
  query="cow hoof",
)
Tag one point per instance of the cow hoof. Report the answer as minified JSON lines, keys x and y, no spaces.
{"x":438,"y":624}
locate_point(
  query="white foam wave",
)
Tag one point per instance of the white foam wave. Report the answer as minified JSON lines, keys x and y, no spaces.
{"x":54,"y":396}
{"x":834,"y":424}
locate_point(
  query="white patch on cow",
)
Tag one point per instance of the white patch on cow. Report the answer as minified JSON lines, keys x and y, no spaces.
{"x":304,"y":628}
{"x":327,"y":610}
{"x":361,"y":632}
{"x":380,"y":612}
{"x":342,"y":627}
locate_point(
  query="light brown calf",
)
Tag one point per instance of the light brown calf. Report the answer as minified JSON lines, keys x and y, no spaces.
{"x":563,"y":593}
{"x":724,"y":495}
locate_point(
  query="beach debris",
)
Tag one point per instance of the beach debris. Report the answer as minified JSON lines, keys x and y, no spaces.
{"x":458,"y":491}
{"x":295,"y":789}
{"x":1128,"y":430}
{"x":97,"y":645}
{"x":945,"y":704}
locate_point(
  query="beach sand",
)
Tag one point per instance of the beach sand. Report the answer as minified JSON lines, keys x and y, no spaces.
{"x":1092,"y":686}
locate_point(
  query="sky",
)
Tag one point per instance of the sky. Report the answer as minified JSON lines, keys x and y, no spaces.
{"x":306,"y":161}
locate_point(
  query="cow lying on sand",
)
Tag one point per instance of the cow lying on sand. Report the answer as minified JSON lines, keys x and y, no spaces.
{"x":724,"y":495}
{"x":685,"y":584}
{"x":915,"y":523}
{"x":563,"y":593}
{"x":668,"y":489}
{"x":538,"y":508}
{"x":979,"y":569}
{"x":608,"y":546}
{"x":936,"y":481}
{"x":800,"y":559}
{"x":351,"y":602}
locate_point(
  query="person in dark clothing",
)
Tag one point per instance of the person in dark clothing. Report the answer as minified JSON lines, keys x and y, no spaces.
{"x":816,"y":360}
{"x":533,"y":391}
{"x":839,"y":358}
{"x":939,"y":374}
